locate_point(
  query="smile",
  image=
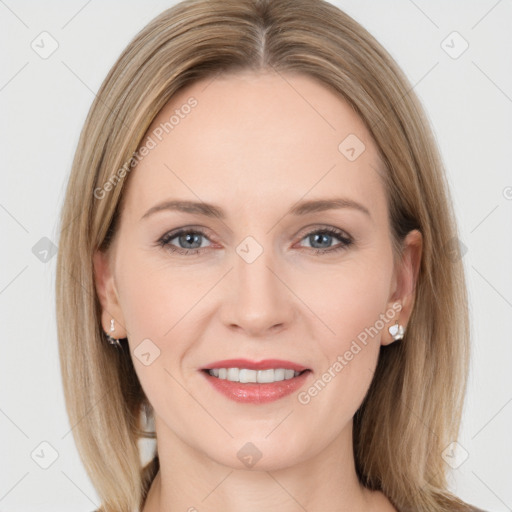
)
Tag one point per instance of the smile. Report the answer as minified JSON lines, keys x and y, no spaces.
{"x":247,"y":381}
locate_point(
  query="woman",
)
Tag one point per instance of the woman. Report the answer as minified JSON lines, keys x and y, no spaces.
{"x":254,"y":258}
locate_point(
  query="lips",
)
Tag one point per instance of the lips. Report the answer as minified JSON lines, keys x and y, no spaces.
{"x":247,"y":381}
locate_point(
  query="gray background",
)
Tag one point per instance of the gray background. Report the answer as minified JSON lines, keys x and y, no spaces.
{"x":44,"y":102}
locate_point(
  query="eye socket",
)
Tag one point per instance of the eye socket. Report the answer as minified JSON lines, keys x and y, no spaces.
{"x":329,"y":233}
{"x":188,"y":235}
{"x":191,"y":236}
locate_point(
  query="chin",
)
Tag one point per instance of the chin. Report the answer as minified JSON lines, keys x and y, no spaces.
{"x":257,"y":453}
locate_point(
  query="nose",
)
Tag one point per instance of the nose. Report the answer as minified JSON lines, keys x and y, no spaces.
{"x":259,"y":303}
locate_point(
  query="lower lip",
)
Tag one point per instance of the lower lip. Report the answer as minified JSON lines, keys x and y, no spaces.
{"x":255,"y":393}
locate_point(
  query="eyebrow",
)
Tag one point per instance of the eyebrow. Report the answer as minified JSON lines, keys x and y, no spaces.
{"x":300,"y":208}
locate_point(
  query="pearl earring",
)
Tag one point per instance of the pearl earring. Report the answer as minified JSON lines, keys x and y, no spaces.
{"x":397,"y":331}
{"x":110,"y":339}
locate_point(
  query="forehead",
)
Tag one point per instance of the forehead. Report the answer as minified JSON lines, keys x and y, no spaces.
{"x":244,"y":138}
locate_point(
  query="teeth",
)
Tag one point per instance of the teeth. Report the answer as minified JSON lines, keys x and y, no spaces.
{"x":245,"y":375}
{"x":233,"y":374}
{"x":265,"y":376}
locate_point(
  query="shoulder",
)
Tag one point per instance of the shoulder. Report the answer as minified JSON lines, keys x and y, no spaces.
{"x":476,"y":509}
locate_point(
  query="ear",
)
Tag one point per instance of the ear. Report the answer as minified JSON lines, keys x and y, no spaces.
{"x":107,"y":294}
{"x":406,"y":275}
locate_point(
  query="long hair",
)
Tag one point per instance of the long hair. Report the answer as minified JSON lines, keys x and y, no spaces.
{"x":413,"y":407}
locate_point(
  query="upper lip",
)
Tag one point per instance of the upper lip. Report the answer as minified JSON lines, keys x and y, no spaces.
{"x":256,"y":365}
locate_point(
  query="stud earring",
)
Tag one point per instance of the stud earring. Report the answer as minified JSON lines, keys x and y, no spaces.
{"x":110,"y":339}
{"x":397,"y":331}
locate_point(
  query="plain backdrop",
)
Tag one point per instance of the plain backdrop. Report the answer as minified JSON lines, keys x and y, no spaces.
{"x":467,"y":93}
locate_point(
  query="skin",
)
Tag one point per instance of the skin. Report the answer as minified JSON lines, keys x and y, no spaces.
{"x":255,"y":146}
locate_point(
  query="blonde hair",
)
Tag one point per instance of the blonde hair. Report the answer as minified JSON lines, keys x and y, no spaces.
{"x":413,"y":408}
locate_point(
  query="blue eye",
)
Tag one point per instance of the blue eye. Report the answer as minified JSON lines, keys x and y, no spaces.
{"x":325,"y":236}
{"x":190,"y":241}
{"x":186,"y":238}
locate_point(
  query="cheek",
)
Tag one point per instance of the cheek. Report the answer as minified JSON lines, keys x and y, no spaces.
{"x":154,"y":298}
{"x":350,"y":299}
{"x":360,"y":300}
{"x":158,"y":303}
{"x":352,"y":306}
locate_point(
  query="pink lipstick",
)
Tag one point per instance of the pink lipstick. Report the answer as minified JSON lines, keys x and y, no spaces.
{"x":247,"y":381}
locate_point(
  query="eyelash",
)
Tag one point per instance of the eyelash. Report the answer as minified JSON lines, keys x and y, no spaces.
{"x":165,"y":240}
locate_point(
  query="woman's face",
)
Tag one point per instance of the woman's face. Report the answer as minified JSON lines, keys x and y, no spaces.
{"x":268,"y":273}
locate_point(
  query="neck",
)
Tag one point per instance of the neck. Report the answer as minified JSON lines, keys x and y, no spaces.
{"x":190,"y":480}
